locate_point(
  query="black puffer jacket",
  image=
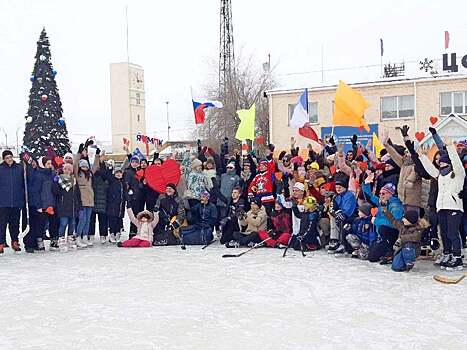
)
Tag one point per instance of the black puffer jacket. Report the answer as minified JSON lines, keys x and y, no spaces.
{"x":67,"y":203}
{"x":116,"y":195}
{"x":100,"y":186}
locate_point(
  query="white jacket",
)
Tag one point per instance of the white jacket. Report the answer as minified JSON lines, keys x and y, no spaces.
{"x":448,"y":187}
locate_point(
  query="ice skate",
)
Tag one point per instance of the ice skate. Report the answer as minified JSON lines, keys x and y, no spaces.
{"x":15,"y":246}
{"x":40,"y":245}
{"x":103,"y":239}
{"x":455,"y":264}
{"x":71,"y":243}
{"x":112,"y":238}
{"x":54,"y":245}
{"x":62,"y":245}
{"x":80,"y":244}
{"x":88,"y":240}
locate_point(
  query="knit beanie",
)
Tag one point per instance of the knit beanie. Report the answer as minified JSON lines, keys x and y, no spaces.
{"x":172,"y":186}
{"x":83,"y":163}
{"x":6,"y":153}
{"x":411,"y":216}
{"x":196,"y":163}
{"x":389,"y":187}
{"x":205,"y":194}
{"x":134,"y":159}
{"x":258,"y":202}
{"x":365,"y":208}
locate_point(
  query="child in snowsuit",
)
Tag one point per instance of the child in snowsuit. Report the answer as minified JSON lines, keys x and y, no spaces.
{"x":307,"y":238}
{"x":115,"y":206}
{"x":205,"y":217}
{"x":410,"y":234}
{"x":145,"y":223}
{"x":361,"y":235}
{"x":68,"y":205}
{"x":281,"y":228}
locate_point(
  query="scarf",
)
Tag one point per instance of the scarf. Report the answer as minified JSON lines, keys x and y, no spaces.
{"x":66,"y":182}
{"x":445,"y":170}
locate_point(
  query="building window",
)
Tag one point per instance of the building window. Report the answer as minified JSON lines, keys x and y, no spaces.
{"x":138,"y":98}
{"x":394,"y":107}
{"x":453,"y":102}
{"x":312,"y":112}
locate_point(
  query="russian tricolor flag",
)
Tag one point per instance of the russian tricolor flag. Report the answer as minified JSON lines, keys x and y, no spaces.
{"x":198,"y":108}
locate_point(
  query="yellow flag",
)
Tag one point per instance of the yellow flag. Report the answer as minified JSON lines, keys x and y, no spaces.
{"x":246,"y":129}
{"x":377,"y":145}
{"x":349,"y":108}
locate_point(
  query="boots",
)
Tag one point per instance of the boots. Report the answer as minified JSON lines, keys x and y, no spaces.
{"x":80,"y":244}
{"x":2,"y":248}
{"x":88,"y":240}
{"x":15,"y":246}
{"x":71,"y":242}
{"x":62,"y":244}
{"x":40,"y":244}
{"x":54,"y":245}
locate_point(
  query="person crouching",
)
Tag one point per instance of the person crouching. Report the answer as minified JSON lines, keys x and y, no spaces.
{"x":204,"y":216}
{"x":281,"y":228}
{"x":362,"y":233}
{"x":145,"y":222}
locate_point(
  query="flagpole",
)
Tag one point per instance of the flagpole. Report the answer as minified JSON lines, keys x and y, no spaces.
{"x":322,"y":64}
{"x":197,"y":126}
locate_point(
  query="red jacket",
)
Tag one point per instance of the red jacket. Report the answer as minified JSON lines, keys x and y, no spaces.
{"x":262,"y":184}
{"x":282,"y":223}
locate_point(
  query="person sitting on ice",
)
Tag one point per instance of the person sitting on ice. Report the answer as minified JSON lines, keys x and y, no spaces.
{"x":145,"y":222}
{"x":171,"y":216}
{"x":281,"y":228}
{"x":255,"y":220}
{"x":229,"y":224}
{"x":386,"y":230}
{"x":343,"y":210}
{"x":204,"y":215}
{"x":298,"y":193}
{"x":362,"y":234}
{"x":307,"y":238}
{"x":410,"y":234}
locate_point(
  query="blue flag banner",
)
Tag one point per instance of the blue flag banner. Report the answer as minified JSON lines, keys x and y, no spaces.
{"x":343,"y":134}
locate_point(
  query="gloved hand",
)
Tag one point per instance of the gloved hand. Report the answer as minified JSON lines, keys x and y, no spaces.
{"x":282,"y":154}
{"x":331,"y":140}
{"x":27,"y":158}
{"x":56,"y":178}
{"x":89,"y":142}
{"x":432,"y":130}
{"x":81,"y":148}
{"x":271,"y":147}
{"x":410,"y":146}
{"x":404,"y":130}
{"x":98,"y":151}
{"x":339,"y":215}
{"x":354,"y":139}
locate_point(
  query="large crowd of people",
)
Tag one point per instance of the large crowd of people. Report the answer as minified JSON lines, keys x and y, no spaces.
{"x":382,"y":208}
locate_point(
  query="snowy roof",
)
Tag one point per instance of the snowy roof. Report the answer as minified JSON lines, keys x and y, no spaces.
{"x":453,"y":126}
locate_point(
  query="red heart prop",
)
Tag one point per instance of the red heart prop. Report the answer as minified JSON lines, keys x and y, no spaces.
{"x":139,"y":174}
{"x":158,"y":176}
{"x":374,"y":211}
{"x":58,"y":161}
{"x":308,"y":132}
{"x":419,"y":135}
{"x":433,"y":120}
{"x":260,"y":140}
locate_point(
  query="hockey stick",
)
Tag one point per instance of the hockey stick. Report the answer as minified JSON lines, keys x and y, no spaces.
{"x":26,"y":230}
{"x":447,"y":280}
{"x":257,"y":245}
{"x":208,"y":244}
{"x":288,"y":245}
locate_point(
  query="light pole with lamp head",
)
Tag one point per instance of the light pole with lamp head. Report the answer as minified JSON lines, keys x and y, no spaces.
{"x":6,"y":137}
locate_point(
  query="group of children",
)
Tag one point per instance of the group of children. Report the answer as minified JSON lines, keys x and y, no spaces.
{"x":356,"y":204}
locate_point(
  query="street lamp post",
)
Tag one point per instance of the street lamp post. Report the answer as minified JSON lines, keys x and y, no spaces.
{"x":17,"y":140}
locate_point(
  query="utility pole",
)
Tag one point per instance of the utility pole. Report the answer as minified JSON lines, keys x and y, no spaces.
{"x":168,"y":123}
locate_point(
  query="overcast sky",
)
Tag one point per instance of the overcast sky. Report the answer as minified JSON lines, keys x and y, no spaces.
{"x":174,"y":41}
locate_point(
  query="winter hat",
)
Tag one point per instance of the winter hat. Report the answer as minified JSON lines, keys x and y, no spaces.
{"x":196,"y":163}
{"x":319,"y":181}
{"x":314,"y":165}
{"x":118,"y":169}
{"x":299,"y":186}
{"x":389,"y":187}
{"x":263,"y":162}
{"x":6,"y":153}
{"x":444,"y":158}
{"x":68,"y":155}
{"x":258,"y":202}
{"x":411,"y":216}
{"x":82,"y":163}
{"x":342,"y":180}
{"x":146,"y":213}
{"x":385,"y":158}
{"x":205,"y":194}
{"x":365,"y":208}
{"x":231,"y":165}
{"x":391,"y":163}
{"x":134,"y":159}
{"x":172,"y":186}
{"x":309,"y":202}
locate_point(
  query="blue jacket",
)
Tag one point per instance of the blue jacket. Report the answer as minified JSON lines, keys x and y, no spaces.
{"x":345,"y":202}
{"x":394,"y":206}
{"x":204,"y":216}
{"x":40,"y":183}
{"x":363,"y":229}
{"x":11,"y":186}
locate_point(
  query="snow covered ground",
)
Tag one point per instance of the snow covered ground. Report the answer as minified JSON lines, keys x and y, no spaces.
{"x":165,"y":298}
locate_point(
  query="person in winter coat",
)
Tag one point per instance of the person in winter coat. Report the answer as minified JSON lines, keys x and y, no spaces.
{"x":83,"y":174}
{"x":145,"y":221}
{"x":343,"y":211}
{"x":261,"y":187}
{"x":362,"y":234}
{"x":116,"y":199}
{"x":41,"y":203}
{"x":386,"y":230}
{"x":148,"y":195}
{"x":134,"y":186}
{"x":67,"y":204}
{"x":229,"y":180}
{"x":409,"y":187}
{"x":205,"y":217}
{"x":197,"y":183}
{"x":390,"y":174}
{"x":281,"y":228}
{"x":11,"y":199}
{"x":246,"y":172}
{"x":451,"y":175}
{"x":229,"y":224}
{"x":255,"y":220}
{"x":171,"y":212}
{"x":99,"y":212}
{"x":410,"y":234}
{"x":307,"y":238}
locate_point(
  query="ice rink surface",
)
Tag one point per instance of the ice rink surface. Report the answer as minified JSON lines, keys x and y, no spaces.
{"x":165,"y":298}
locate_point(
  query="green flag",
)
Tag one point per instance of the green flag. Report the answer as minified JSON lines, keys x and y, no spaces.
{"x":246,"y":129}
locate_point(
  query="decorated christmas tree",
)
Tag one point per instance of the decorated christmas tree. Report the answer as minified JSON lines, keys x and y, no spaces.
{"x":45,"y":125}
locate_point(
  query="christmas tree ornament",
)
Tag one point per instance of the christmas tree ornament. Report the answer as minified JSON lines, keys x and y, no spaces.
{"x":44,"y":97}
{"x":39,"y":80}
{"x":28,"y":119}
{"x":42,"y":57}
{"x":33,"y":78}
{"x":61,"y":121}
{"x":54,"y":72}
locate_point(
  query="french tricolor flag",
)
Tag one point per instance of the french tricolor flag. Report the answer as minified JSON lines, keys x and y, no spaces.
{"x":200,"y":106}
